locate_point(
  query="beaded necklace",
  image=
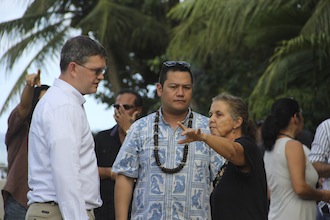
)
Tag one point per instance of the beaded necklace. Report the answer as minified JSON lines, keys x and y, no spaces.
{"x":286,"y":135}
{"x":185,"y":150}
{"x":220,"y":174}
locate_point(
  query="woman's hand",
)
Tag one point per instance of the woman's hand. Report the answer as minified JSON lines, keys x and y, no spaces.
{"x":191,"y":134}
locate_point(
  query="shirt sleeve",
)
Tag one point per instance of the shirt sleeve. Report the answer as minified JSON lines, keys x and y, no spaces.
{"x":65,"y":143}
{"x":15,"y":125}
{"x":216,"y":163}
{"x":320,"y":150}
{"x":126,"y":162}
{"x":251,"y":152}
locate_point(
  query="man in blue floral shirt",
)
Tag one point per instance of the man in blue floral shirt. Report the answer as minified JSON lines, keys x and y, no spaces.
{"x":173,"y":181}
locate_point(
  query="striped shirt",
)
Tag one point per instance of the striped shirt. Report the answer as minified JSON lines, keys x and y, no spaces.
{"x":320,"y":151}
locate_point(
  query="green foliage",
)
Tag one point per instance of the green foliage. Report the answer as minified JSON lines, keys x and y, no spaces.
{"x":281,"y":46}
{"x":133,"y":32}
{"x":260,"y":50}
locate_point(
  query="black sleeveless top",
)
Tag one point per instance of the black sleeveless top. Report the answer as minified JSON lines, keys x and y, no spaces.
{"x":242,"y":196}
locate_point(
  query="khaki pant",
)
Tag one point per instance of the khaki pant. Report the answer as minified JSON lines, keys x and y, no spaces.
{"x":49,"y":211}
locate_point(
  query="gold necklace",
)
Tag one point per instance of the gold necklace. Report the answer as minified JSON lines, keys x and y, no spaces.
{"x":185,"y":150}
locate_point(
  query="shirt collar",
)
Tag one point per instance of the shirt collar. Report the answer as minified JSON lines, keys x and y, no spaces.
{"x":70,"y":89}
{"x":114,"y":131}
{"x":162,"y":118}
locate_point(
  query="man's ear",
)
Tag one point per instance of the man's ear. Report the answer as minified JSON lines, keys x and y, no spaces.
{"x":297,"y":118}
{"x":139,"y":110}
{"x":159,"y":88}
{"x":72,"y":69}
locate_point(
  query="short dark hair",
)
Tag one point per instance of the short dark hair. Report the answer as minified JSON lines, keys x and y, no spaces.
{"x":177,"y":66}
{"x":138,"y":102}
{"x":79,"y":49}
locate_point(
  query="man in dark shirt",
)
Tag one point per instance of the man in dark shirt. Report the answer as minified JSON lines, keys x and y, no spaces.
{"x":107,"y":144}
{"x":16,"y":187}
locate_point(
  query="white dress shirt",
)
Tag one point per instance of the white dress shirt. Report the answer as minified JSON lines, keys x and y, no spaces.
{"x":61,"y":160}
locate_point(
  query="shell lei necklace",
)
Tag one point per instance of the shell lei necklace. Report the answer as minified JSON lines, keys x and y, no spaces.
{"x":185,"y":150}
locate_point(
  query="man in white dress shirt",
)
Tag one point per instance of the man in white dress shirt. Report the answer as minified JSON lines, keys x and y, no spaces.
{"x":63,"y":177}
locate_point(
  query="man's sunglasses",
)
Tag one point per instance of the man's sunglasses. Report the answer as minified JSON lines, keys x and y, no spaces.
{"x":96,"y":71}
{"x":126,"y":107}
{"x":174,"y":63}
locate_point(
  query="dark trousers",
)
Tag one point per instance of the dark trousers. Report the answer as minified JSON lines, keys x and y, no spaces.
{"x":323,"y":214}
{"x":14,"y":210}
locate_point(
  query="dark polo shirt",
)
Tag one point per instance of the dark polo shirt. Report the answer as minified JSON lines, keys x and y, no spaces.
{"x":107,"y":145}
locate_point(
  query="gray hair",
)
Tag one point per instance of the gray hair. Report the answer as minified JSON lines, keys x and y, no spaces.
{"x":79,"y":49}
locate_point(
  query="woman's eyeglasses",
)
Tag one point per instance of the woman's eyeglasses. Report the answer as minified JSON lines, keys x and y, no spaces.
{"x":126,"y":107}
{"x":174,"y":63}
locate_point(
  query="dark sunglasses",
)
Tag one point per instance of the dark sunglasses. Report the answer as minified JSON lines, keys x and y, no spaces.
{"x":174,"y":63}
{"x":97,"y":71}
{"x":126,"y":107}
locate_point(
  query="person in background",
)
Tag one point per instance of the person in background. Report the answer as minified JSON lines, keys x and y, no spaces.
{"x":173,"y":181}
{"x":305,"y":137}
{"x":107,"y":144}
{"x":240,"y":190}
{"x":320,"y":157}
{"x":63,"y":177}
{"x":291,"y":177}
{"x":16,"y":187}
{"x":259,"y":141}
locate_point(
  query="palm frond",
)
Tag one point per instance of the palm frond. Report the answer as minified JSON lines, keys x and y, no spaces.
{"x":299,"y":61}
{"x":319,"y":21}
{"x":40,"y":37}
{"x":131,"y":28}
{"x":16,"y":90}
{"x":223,"y":24}
{"x":275,"y":26}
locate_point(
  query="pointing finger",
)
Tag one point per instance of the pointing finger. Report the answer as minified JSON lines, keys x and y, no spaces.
{"x":182,"y":126}
{"x":38,"y":78}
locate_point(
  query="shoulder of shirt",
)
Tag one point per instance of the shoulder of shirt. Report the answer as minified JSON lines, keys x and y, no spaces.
{"x":141,"y":122}
{"x":144,"y":119}
{"x":62,"y":99}
{"x":104,"y":132}
{"x":199,"y":114}
{"x":200,"y":117}
{"x":325,"y":123}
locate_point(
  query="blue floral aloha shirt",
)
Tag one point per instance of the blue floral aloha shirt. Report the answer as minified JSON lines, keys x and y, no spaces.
{"x":161,"y":196}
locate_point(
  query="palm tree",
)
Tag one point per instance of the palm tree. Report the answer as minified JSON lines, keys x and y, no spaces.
{"x":127,"y":29}
{"x":291,"y":36}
